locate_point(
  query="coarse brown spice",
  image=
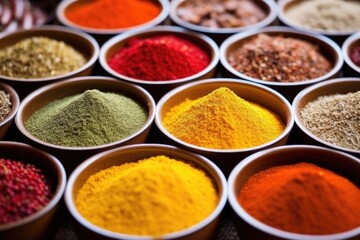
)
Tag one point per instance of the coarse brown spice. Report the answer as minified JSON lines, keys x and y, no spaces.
{"x":279,"y":59}
{"x":5,"y":105}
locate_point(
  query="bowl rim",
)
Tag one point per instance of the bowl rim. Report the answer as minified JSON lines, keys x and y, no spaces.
{"x":15,"y":102}
{"x":240,"y":212}
{"x":68,"y":197}
{"x":346,"y":47}
{"x":56,"y":28}
{"x":307,"y":90}
{"x":159,"y":30}
{"x":280,"y":29}
{"x":282,"y":17}
{"x":177,"y":90}
{"x":150,"y":107}
{"x":266,"y":21}
{"x":58,"y":191}
{"x":60,"y":14}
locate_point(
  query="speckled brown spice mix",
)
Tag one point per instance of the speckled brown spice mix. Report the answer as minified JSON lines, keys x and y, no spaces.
{"x":279,"y":59}
{"x":5,"y":105}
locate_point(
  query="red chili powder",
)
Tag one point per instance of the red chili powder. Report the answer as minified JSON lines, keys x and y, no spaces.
{"x":355,"y":56}
{"x":24,"y":190}
{"x":164,"y":57}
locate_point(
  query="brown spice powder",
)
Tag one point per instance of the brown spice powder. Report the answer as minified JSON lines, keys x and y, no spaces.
{"x":5,"y":105}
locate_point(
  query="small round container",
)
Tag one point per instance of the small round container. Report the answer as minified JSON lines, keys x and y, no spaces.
{"x":327,"y":47}
{"x":202,"y":230}
{"x":219,"y":34}
{"x":82,"y":42}
{"x":226,"y":159}
{"x":331,"y":87}
{"x":250,"y":228}
{"x":72,"y":156}
{"x":351,"y":69}
{"x":159,"y":88}
{"x":103,"y":34}
{"x":337,"y":35}
{"x":39,"y":224}
{"x":15,"y":103}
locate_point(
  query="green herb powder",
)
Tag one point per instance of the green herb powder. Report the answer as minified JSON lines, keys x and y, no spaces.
{"x":88,"y":119}
{"x":39,"y":57}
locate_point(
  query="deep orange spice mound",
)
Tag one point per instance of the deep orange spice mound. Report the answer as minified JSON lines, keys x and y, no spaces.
{"x":302,"y":198}
{"x":112,"y":14}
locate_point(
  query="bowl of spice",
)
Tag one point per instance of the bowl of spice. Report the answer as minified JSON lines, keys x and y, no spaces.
{"x":31,"y":187}
{"x":76,"y":118}
{"x":336,"y":19}
{"x":220,"y":19}
{"x":351,"y":54}
{"x":328,"y":113}
{"x":165,"y":193}
{"x":161,"y":58}
{"x":282,"y":58}
{"x":224,"y":119}
{"x":34,"y":57}
{"x":296,"y":192}
{"x":9,"y":106}
{"x":107,"y":18}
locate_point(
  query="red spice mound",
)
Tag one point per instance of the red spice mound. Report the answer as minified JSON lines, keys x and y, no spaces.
{"x":159,"y":58}
{"x":302,"y":198}
{"x":355,"y":56}
{"x":24,"y":190}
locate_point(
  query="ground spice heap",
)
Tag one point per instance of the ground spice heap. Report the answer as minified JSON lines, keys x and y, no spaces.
{"x":334,"y":119}
{"x":88,"y":119}
{"x":355,"y":56}
{"x":279,"y":59}
{"x":328,"y":15}
{"x":5,"y":105}
{"x":302,"y":198}
{"x":221,"y":13}
{"x":24,"y":190}
{"x":112,"y":14}
{"x":222,"y":120}
{"x":157,"y":195}
{"x":165,"y":57}
{"x":39,"y":57}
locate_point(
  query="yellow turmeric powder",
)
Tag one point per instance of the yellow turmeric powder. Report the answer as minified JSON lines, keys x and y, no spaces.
{"x":153,"y":196}
{"x":222,"y":120}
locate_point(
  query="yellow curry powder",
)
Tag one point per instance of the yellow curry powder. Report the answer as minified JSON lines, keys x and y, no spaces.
{"x":222,"y":120}
{"x":153,"y":196}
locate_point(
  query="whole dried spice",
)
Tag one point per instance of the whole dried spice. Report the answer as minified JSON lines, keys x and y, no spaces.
{"x":221,"y":13}
{"x":24,"y":190}
{"x":334,"y":119}
{"x":5,"y":105}
{"x":279,"y":59}
{"x":39,"y":57}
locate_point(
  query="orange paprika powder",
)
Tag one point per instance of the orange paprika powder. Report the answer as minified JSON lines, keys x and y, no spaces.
{"x":112,"y":14}
{"x":302,"y":198}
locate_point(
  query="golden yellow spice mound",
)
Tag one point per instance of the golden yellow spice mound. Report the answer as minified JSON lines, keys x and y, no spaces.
{"x":223,"y":120}
{"x":153,"y":196}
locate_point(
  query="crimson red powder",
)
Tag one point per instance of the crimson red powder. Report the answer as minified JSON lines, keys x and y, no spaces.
{"x":165,"y":57}
{"x":355,"y":56}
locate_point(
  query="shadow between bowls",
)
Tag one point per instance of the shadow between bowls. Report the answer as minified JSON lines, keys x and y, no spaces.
{"x":250,"y":228}
{"x":102,"y":35}
{"x":203,"y":230}
{"x":15,"y":104}
{"x":80,"y":41}
{"x":220,"y":34}
{"x":40,"y":224}
{"x":253,"y":92}
{"x":309,"y":94}
{"x":159,"y":88}
{"x":350,"y":68}
{"x":327,"y":47}
{"x":73,"y":156}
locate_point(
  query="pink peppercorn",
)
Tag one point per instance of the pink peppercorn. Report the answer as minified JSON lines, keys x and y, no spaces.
{"x":24,"y":190}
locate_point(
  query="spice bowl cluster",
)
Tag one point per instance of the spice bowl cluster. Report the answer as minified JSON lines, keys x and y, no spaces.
{"x":160,"y":113}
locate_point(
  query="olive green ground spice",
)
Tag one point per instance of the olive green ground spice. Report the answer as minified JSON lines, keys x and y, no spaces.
{"x":334,"y":119}
{"x":5,"y":105}
{"x":39,"y":57}
{"x":88,"y":119}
